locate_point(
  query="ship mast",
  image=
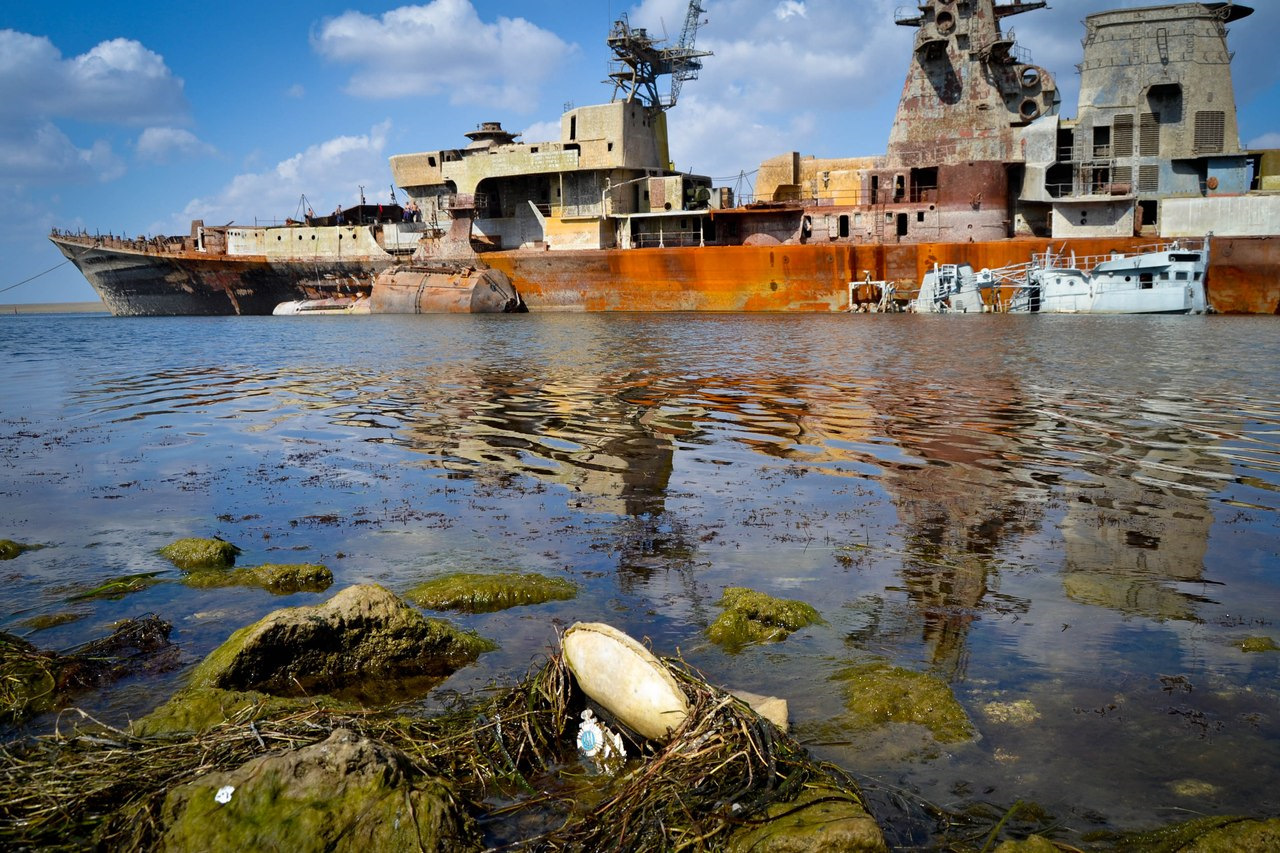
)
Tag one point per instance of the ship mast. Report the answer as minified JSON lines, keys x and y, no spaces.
{"x":639,"y":60}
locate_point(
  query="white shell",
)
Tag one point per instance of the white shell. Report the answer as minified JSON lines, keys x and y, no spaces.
{"x":625,"y":679}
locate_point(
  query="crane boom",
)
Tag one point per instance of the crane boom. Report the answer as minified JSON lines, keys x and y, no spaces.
{"x":639,"y":60}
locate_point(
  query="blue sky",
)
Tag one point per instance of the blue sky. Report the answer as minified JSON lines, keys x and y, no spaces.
{"x":138,"y":117}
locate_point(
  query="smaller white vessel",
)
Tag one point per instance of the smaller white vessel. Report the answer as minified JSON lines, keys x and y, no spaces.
{"x":954,"y":289}
{"x":1166,"y":279}
{"x":333,"y":305}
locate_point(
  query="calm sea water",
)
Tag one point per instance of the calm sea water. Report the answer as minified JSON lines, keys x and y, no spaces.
{"x":1073,"y":521}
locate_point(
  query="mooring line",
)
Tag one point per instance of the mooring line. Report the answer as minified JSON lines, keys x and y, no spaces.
{"x":36,"y":276}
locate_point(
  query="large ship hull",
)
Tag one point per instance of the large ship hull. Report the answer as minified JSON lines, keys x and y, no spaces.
{"x":1243,"y":278}
{"x":138,"y":282}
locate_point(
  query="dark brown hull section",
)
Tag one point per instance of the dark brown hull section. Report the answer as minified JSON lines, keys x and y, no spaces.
{"x":1244,"y":273}
{"x":427,"y":290}
{"x":142,"y":283}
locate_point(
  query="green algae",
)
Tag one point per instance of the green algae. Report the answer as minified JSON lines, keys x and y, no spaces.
{"x":192,"y":554}
{"x":277,"y":578}
{"x":114,"y":589}
{"x":1033,"y":844}
{"x":45,"y":621}
{"x":472,"y":592}
{"x":879,"y":694}
{"x":10,"y":550}
{"x":823,"y":817}
{"x":28,"y":679}
{"x":1255,"y":645}
{"x":199,"y":709}
{"x":345,"y":794}
{"x":1221,"y":834}
{"x":753,"y":617}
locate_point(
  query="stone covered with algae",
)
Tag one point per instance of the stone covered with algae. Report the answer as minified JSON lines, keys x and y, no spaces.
{"x":879,"y":694}
{"x":1203,"y":835}
{"x":822,"y":818}
{"x":752,"y":617}
{"x":114,"y":589}
{"x":45,"y":621}
{"x":1254,"y":645}
{"x":10,"y":549}
{"x":1031,"y":844}
{"x":363,"y":635}
{"x":472,"y":592}
{"x":347,"y":793}
{"x":193,"y":554}
{"x":277,"y":578}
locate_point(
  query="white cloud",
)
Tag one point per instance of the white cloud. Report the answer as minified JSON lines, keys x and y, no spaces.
{"x":541,"y":131}
{"x":789,"y":9}
{"x":118,"y":82}
{"x":166,"y":144}
{"x":329,"y":173}
{"x":297,"y":90}
{"x":443,"y":47}
{"x":1266,"y":140}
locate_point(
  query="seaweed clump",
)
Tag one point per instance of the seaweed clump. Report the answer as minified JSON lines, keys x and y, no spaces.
{"x":1256,"y":645}
{"x":276,"y":578}
{"x":113,"y":589}
{"x":10,"y":549}
{"x":472,"y":592}
{"x":192,"y":554}
{"x":879,"y":694}
{"x":753,"y":617}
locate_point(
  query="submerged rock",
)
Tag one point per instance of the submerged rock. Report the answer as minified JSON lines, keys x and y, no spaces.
{"x":472,"y":592}
{"x":10,"y":549}
{"x":879,"y":694}
{"x":363,"y":635}
{"x":1255,"y":645}
{"x":753,"y":617}
{"x":277,"y":578}
{"x":45,"y":621}
{"x":193,"y":554}
{"x":113,"y":589}
{"x":823,"y":818}
{"x":345,"y":794}
{"x":1203,"y":835}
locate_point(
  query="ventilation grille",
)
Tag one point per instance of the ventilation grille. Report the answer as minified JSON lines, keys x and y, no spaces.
{"x":1149,"y":138}
{"x":1122,"y":136}
{"x":1148,"y":179}
{"x":1210,"y":131}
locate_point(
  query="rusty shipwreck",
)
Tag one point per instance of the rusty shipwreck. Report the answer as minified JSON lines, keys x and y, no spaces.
{"x":981,"y":169}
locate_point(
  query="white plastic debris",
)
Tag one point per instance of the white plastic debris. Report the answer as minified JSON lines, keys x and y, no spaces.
{"x":224,"y":794}
{"x":599,"y":747}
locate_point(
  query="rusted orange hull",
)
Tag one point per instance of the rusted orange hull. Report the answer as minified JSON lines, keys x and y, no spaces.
{"x":1244,"y":274}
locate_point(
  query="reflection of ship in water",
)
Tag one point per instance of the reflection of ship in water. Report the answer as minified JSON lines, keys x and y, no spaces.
{"x":1136,"y":534}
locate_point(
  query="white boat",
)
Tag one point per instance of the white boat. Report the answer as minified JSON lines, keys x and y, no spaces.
{"x":1166,"y":279}
{"x":954,"y":289}
{"x":333,"y":305}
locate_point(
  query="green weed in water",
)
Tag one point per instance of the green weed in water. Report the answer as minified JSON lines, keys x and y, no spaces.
{"x":472,"y":592}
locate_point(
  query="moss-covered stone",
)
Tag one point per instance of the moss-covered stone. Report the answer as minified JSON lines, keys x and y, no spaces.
{"x":10,"y":549}
{"x":363,"y":632}
{"x":472,"y":592}
{"x":45,"y":621}
{"x":822,"y":818}
{"x":194,"y":554}
{"x":345,"y":794}
{"x":753,"y":617}
{"x":878,"y":694}
{"x":198,"y":709}
{"x":278,"y":578}
{"x":1255,"y":645}
{"x":114,"y":589}
{"x":1203,"y":835}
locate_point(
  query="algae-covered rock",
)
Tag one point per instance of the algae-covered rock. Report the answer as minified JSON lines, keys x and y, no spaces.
{"x":472,"y":592}
{"x":345,"y":794}
{"x":822,"y":818}
{"x":10,"y":549}
{"x":753,"y":617}
{"x":277,"y":578}
{"x":45,"y":621}
{"x":198,"y":709}
{"x":193,"y":554}
{"x":1203,"y":835}
{"x":879,"y":694}
{"x":1255,"y":645}
{"x":113,"y":589}
{"x":363,"y":632}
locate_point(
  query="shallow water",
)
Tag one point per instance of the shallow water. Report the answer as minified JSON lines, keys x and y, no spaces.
{"x":1072,"y":520}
